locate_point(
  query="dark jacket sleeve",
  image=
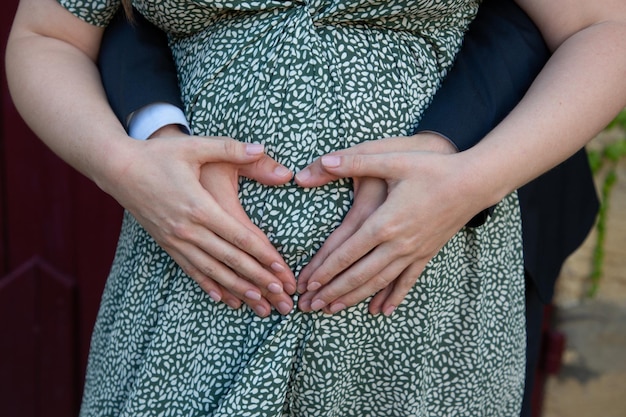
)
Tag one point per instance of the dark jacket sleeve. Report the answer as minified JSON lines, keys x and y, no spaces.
{"x":501,"y":55}
{"x":136,"y":66}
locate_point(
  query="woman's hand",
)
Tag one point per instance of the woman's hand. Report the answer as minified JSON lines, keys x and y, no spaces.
{"x":410,"y":199}
{"x":204,"y":229}
{"x":221,"y":181}
{"x":369,"y":195}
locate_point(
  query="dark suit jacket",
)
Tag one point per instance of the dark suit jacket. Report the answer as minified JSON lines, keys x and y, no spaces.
{"x":502,"y":53}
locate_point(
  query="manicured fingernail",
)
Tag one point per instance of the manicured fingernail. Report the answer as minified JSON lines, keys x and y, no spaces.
{"x":331,"y":161}
{"x":317,"y":304}
{"x":281,"y":171}
{"x":277,"y":267}
{"x":304,"y":305}
{"x":215,"y":296}
{"x":337,"y":307}
{"x":303,"y":175}
{"x":313,"y":286}
{"x":284,"y":308}
{"x":389,"y":311}
{"x":253,"y":295}
{"x":254,"y":148}
{"x":275,"y":288}
{"x":261,"y":311}
{"x":289,"y":288}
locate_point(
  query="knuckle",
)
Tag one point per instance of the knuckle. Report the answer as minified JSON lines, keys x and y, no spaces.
{"x":196,"y":213}
{"x":356,"y":162}
{"x":242,"y":239}
{"x":380,"y":281}
{"x":231,"y":148}
{"x":231,"y":259}
{"x":384,"y":231}
{"x":356,"y":280}
{"x":343,"y":260}
{"x":208,"y":270}
{"x":181,"y":231}
{"x":405,"y":247}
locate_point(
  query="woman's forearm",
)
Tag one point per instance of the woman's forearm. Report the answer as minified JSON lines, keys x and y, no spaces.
{"x":576,"y":95}
{"x":56,"y":87}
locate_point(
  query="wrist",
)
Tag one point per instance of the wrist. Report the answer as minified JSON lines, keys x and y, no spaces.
{"x":168,"y":131}
{"x":120,"y":154}
{"x":433,"y":142}
{"x":436,"y":141}
{"x":485,"y":186}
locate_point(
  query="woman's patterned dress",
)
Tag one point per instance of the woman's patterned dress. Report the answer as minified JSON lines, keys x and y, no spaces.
{"x":306,"y":78}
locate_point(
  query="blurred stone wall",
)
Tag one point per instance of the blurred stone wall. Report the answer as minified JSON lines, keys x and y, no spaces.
{"x":592,"y":380}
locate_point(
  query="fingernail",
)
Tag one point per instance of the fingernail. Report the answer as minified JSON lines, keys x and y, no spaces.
{"x":289,"y":288}
{"x":331,"y":161}
{"x":317,"y":305}
{"x":337,"y":307}
{"x":389,"y":311}
{"x":215,"y":296}
{"x":277,"y":267}
{"x":313,"y":286}
{"x":254,"y":148}
{"x":261,"y":311}
{"x":275,"y":288}
{"x":281,"y":171}
{"x":304,"y":305}
{"x":253,"y":295}
{"x":284,"y":308}
{"x":303,"y":175}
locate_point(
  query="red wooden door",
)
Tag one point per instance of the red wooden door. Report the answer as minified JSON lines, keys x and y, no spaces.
{"x":57,"y":238}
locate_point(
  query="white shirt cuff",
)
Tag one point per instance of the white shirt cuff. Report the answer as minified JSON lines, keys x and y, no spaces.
{"x":148,"y":119}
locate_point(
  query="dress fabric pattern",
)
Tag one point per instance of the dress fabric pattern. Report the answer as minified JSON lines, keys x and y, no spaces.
{"x":306,"y":78}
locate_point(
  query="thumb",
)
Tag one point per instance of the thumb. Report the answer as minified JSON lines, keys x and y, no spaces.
{"x":360,"y":165}
{"x":266,"y":171}
{"x":315,"y":175}
{"x":222,"y":149}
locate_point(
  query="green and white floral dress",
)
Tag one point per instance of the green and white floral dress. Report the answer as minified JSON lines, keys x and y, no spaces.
{"x":306,"y":78}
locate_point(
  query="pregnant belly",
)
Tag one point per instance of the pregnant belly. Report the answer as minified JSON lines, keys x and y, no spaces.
{"x":303,"y":90}
{"x":296,"y":220}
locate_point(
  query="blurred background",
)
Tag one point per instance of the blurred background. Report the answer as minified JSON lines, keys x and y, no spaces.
{"x":591,"y":313}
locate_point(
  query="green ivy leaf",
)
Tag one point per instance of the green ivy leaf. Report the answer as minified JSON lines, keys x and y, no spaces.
{"x":612,"y":153}
{"x":595,"y":160}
